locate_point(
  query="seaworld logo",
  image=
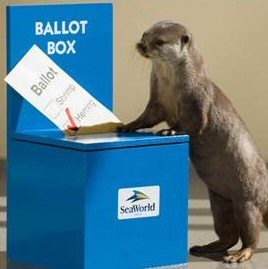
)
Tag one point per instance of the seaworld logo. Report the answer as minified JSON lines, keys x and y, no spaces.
{"x":138,"y":202}
{"x":138,"y":195}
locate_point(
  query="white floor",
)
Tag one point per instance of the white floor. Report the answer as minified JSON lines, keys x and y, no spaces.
{"x":2,"y":224}
{"x":200,"y":232}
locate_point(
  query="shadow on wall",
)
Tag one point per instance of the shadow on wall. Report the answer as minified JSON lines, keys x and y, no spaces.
{"x":2,"y":178}
{"x":197,"y":188}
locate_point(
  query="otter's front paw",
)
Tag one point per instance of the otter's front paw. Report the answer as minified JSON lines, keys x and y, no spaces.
{"x":168,"y":132}
{"x":127,"y":128}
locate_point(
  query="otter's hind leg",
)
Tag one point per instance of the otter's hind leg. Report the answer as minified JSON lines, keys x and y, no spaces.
{"x":249,"y":219}
{"x":225,"y":226}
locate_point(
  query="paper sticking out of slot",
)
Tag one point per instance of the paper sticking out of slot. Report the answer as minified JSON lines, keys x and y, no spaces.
{"x":59,"y":97}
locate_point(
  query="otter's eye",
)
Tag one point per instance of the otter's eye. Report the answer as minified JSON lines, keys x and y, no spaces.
{"x":159,"y":42}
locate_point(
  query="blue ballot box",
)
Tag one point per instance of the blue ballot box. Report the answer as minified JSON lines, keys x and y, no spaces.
{"x":115,"y":201}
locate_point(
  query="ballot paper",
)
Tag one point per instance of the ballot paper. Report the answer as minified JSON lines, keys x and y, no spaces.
{"x":58,"y":96}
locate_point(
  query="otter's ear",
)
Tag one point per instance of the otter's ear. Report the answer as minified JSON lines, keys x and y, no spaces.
{"x":185,"y":39}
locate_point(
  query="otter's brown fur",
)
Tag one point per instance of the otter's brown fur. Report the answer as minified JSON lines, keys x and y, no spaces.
{"x":222,"y":149}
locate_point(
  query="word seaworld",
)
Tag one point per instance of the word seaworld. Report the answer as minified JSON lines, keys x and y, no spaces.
{"x":137,"y":208}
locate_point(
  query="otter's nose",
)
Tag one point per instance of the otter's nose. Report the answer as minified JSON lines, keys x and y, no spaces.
{"x":141,"y":47}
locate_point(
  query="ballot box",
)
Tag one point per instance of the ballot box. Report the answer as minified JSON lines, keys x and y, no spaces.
{"x":111,"y":200}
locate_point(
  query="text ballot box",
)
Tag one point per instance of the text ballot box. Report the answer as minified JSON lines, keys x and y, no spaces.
{"x":93,"y":201}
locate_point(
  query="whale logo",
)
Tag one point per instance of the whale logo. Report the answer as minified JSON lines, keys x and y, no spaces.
{"x":138,"y":195}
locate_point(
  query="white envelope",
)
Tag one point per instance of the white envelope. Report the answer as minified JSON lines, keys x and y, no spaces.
{"x":59,"y":97}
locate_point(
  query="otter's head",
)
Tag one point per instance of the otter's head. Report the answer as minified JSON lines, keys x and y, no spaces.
{"x":165,"y":41}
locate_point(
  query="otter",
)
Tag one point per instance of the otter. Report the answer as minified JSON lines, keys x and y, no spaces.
{"x":221,"y":148}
